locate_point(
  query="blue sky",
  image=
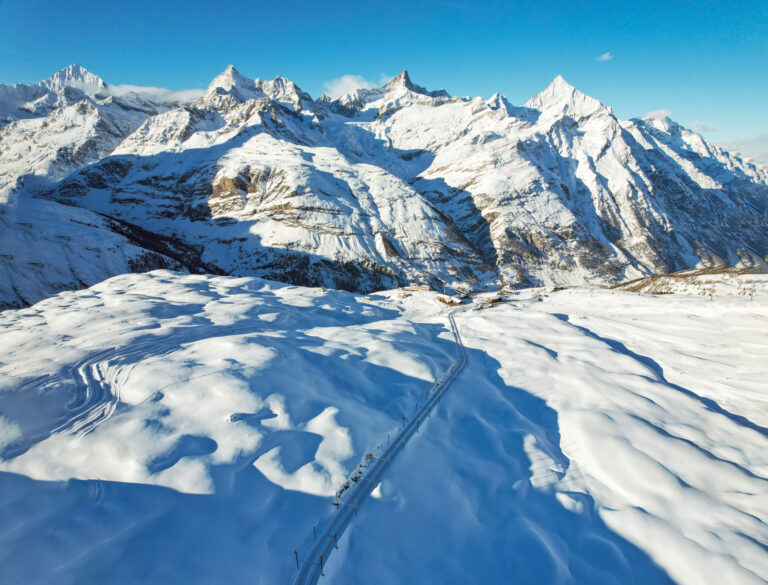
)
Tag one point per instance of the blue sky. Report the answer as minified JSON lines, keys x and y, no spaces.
{"x":706,"y":62}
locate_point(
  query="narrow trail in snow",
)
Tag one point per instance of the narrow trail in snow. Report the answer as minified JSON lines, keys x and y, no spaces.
{"x":311,"y":566}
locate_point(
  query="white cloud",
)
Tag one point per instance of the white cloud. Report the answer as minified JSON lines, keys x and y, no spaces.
{"x":157,"y":94}
{"x":604,"y":57}
{"x":753,"y":148}
{"x":384,"y":79}
{"x":346,"y":84}
{"x":658,"y":115}
{"x":703,"y":127}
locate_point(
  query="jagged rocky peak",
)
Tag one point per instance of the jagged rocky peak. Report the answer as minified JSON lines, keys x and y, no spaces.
{"x":283,"y":89}
{"x":231,"y":82}
{"x":63,"y":88}
{"x":230,"y":79}
{"x":500,"y":102}
{"x":400,"y":90}
{"x":74,"y":76}
{"x":400,"y":80}
{"x":561,"y":96}
{"x":403,"y":80}
{"x":241,"y":88}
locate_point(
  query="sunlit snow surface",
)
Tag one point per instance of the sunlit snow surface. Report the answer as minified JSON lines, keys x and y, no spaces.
{"x":161,"y":428}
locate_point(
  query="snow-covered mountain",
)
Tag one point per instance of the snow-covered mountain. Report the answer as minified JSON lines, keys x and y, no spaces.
{"x":386,"y":185}
{"x":71,"y":119}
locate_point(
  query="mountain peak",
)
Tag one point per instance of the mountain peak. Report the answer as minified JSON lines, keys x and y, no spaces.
{"x":282,"y":84}
{"x":403,"y":80}
{"x":232,"y":83}
{"x":498,"y":100}
{"x":660,"y":120}
{"x":559,"y":86}
{"x":229,"y":79}
{"x":74,"y":76}
{"x":562,"y":96}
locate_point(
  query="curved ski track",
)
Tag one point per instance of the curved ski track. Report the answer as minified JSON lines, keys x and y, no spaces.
{"x":95,"y":396}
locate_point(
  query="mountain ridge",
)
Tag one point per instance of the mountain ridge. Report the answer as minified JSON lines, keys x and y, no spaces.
{"x":388,"y":185}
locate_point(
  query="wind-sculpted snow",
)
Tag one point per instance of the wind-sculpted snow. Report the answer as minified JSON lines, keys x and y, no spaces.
{"x":595,"y":437}
{"x":240,"y":398}
{"x":165,"y":427}
{"x":392,"y":184}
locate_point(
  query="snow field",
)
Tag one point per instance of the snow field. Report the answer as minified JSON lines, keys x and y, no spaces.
{"x":242,"y":405}
{"x":163,"y":427}
{"x":594,"y":438}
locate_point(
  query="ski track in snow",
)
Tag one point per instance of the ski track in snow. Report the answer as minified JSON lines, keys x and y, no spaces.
{"x":97,"y":386}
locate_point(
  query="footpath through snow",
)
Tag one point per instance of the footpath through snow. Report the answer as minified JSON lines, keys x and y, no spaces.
{"x":376,"y":462}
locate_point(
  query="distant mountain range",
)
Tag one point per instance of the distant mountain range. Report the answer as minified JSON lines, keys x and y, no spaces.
{"x":371,"y":190}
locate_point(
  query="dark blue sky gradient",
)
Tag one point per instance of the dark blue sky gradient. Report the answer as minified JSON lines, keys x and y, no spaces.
{"x":705,"y":61}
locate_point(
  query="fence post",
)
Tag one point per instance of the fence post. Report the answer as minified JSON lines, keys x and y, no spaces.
{"x":314,"y":531}
{"x":335,"y":541}
{"x":321,"y":566}
{"x":297,"y":559}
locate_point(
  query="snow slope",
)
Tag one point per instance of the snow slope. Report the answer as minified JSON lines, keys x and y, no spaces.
{"x":600,"y":437}
{"x":213,"y":415}
{"x":163,"y":427}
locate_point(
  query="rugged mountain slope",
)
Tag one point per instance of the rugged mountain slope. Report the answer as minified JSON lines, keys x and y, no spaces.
{"x":398,"y":183}
{"x":46,"y":131}
{"x":562,"y":191}
{"x":249,"y":173}
{"x":71,"y":119}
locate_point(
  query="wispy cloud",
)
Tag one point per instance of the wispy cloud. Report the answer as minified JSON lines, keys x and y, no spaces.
{"x":155,"y":94}
{"x":346,"y":84}
{"x":753,"y":148}
{"x":349,"y":83}
{"x":703,"y":127}
{"x":384,"y":79}
{"x":658,"y":114}
{"x":604,"y":57}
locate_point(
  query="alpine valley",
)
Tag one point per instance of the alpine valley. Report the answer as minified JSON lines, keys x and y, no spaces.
{"x":365,"y":192}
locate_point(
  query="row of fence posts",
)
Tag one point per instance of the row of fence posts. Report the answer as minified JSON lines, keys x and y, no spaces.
{"x":335,"y":544}
{"x":339,"y":503}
